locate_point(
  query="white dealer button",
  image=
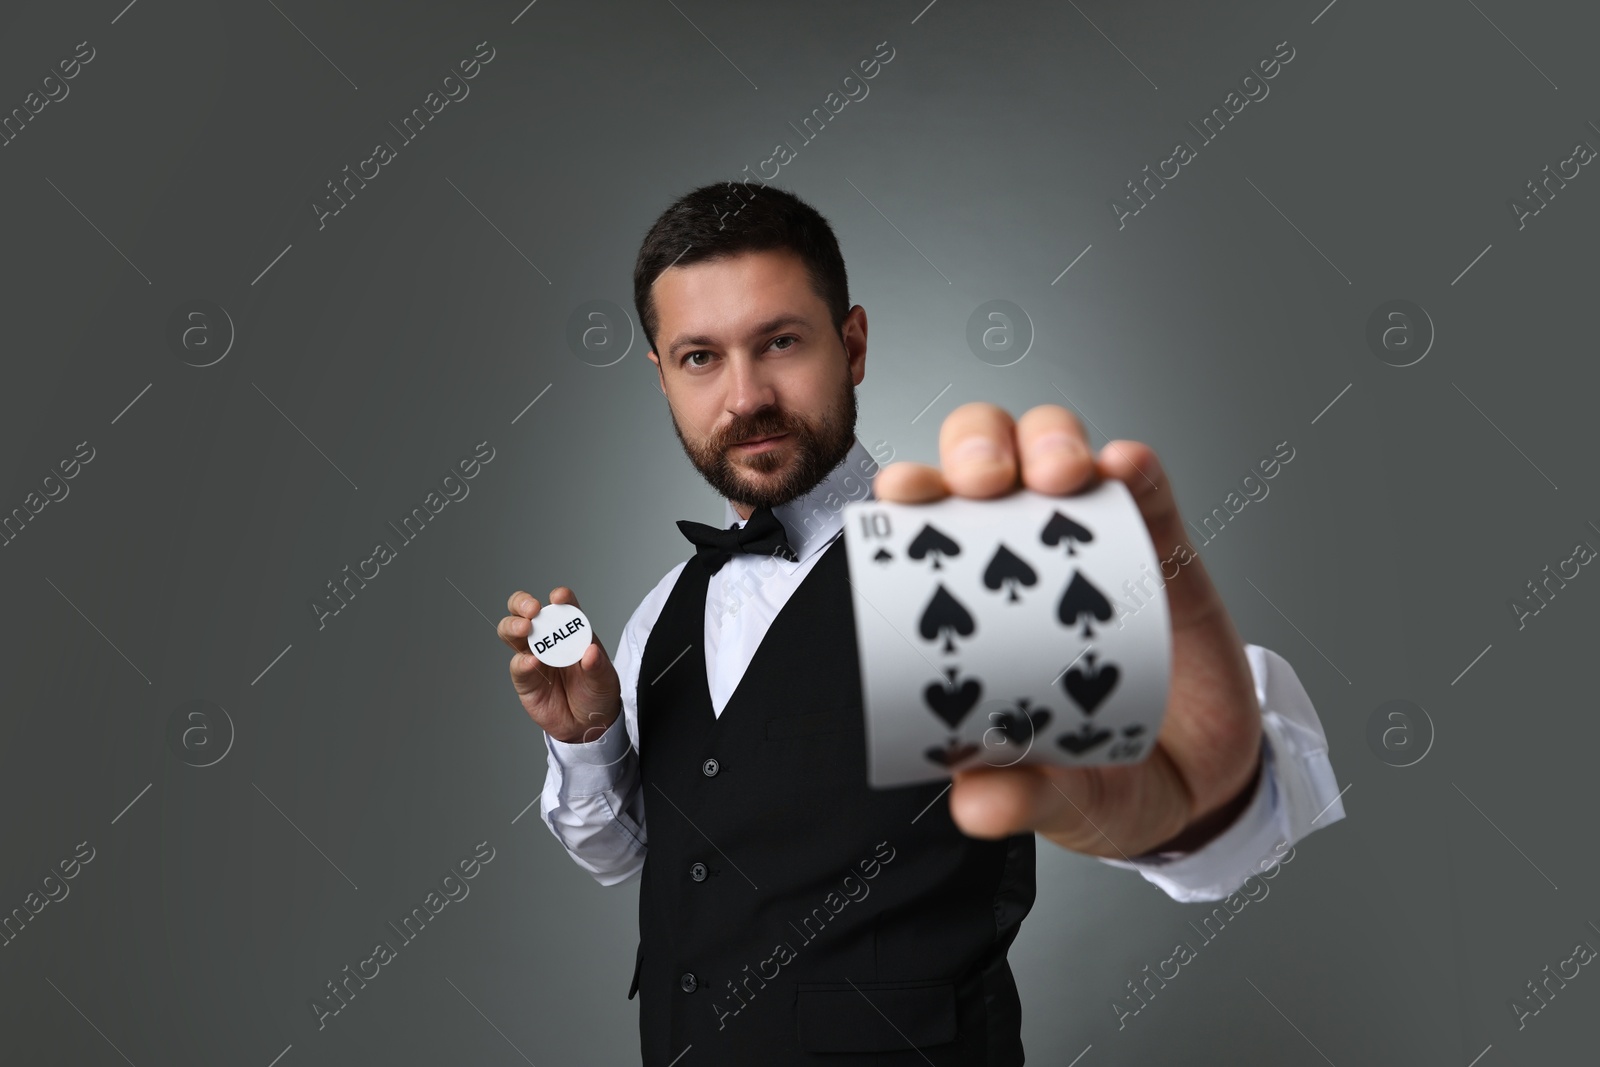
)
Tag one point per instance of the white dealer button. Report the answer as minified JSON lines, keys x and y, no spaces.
{"x":559,"y":636}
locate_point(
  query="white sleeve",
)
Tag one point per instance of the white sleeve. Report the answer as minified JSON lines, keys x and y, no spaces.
{"x":593,"y":800}
{"x":1296,"y":794}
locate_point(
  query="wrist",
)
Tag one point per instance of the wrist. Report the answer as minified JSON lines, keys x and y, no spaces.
{"x":588,"y":736}
{"x":1205,"y":829}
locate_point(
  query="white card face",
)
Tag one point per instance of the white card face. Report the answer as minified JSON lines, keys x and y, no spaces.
{"x":1021,"y":629}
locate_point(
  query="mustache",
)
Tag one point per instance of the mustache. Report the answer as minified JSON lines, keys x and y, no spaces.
{"x":746,"y":431}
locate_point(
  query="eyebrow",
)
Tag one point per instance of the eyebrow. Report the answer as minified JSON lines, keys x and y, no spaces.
{"x":787,"y":319}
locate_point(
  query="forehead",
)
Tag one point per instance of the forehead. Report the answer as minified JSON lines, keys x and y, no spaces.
{"x":727,"y":293}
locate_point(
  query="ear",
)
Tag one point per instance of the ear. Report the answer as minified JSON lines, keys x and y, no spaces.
{"x":661,"y":382}
{"x":854,"y":335}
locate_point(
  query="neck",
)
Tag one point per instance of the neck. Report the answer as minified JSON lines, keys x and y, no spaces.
{"x":742,"y":510}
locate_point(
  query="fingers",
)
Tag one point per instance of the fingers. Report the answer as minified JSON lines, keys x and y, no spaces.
{"x":977,"y":457}
{"x":906,"y":482}
{"x":527,"y":673}
{"x":526,"y":670}
{"x":523,"y":606}
{"x":1190,"y":595}
{"x":1055,"y":451}
{"x":514,"y":628}
{"x":527,"y":605}
{"x":978,"y":450}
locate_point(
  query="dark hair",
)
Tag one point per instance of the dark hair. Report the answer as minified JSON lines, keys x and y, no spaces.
{"x":726,"y":218}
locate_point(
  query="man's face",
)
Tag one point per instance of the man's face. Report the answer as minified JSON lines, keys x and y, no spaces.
{"x":749,"y":352}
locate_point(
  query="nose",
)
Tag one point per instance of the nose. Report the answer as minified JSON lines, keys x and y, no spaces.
{"x":749,"y":387}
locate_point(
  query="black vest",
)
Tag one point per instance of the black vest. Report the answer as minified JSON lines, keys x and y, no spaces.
{"x":788,"y":912}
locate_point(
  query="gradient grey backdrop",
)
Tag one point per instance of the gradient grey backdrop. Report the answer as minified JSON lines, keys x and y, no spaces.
{"x":370,"y":755}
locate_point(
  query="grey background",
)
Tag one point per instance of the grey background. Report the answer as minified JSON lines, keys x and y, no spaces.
{"x":370,"y":357}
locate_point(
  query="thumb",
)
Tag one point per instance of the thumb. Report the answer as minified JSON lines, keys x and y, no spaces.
{"x":992,"y":802}
{"x":593,"y":656}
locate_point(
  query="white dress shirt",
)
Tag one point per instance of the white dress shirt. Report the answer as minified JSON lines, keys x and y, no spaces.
{"x":594,"y":804}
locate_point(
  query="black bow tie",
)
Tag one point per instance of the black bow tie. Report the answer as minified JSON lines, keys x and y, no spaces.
{"x":762,"y":534}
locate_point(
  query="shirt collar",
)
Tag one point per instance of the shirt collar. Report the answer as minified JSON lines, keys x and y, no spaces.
{"x":812,"y":521}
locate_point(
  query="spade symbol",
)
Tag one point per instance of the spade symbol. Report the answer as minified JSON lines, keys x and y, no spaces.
{"x":1088,"y":688}
{"x":883,"y":555}
{"x":1023,"y":725}
{"x":1061,"y":528}
{"x":1010,"y":570}
{"x":934,"y":541}
{"x":945,"y":613}
{"x":1085,"y":739}
{"x":950,"y":701}
{"x":952,"y":753}
{"x":1082,"y":599}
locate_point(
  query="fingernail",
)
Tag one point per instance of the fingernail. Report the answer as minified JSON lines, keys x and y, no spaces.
{"x":980,"y":449}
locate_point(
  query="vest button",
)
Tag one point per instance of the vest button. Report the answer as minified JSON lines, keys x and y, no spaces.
{"x":698,"y":872}
{"x":687,"y":983}
{"x":710,"y":767}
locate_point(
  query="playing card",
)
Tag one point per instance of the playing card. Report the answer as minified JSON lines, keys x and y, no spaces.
{"x":1022,"y":629}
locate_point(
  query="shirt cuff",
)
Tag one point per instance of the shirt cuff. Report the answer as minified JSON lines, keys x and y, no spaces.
{"x":1216,"y":869}
{"x":589,"y":768}
{"x":1296,"y":794}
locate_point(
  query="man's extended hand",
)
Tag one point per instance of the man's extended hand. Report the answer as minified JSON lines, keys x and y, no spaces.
{"x":576,"y":703}
{"x":1196,"y":777}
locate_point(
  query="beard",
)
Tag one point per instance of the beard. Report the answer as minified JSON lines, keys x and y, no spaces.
{"x":810,"y":452}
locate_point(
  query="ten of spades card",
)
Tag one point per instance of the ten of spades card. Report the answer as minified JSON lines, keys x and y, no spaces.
{"x":1027,"y":628}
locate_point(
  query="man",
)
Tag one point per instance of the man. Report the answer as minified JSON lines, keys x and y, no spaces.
{"x":789,"y":913}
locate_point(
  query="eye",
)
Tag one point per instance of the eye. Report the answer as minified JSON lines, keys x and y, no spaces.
{"x":690,"y":355}
{"x":791,"y":338}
